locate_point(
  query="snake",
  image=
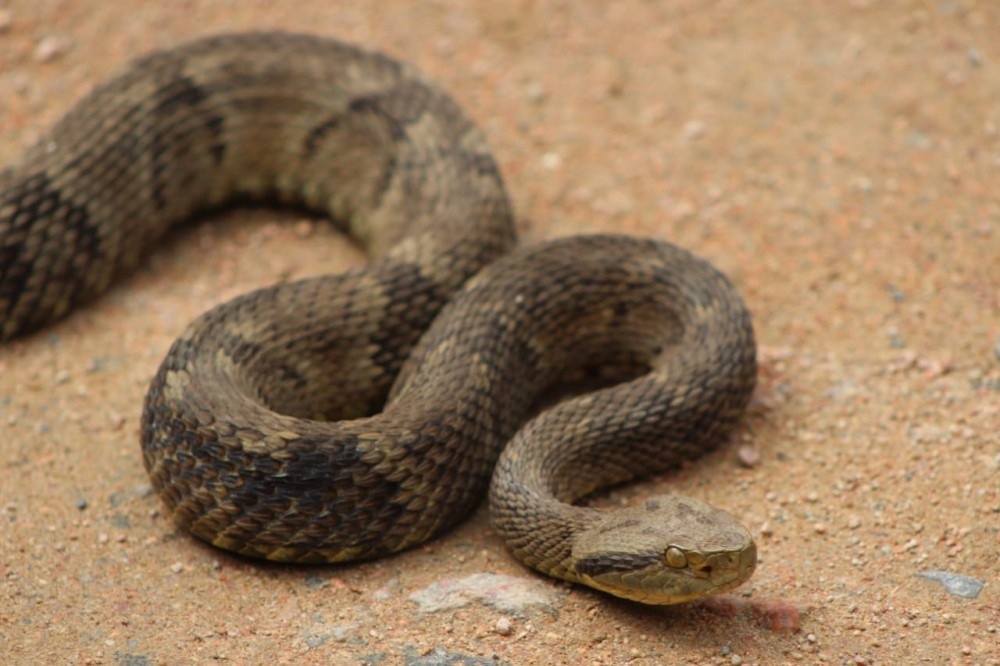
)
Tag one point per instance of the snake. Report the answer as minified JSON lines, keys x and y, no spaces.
{"x":355,"y":415}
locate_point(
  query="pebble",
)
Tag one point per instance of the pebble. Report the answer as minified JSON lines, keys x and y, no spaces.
{"x":960,"y":586}
{"x":177,"y":567}
{"x":142,"y":489}
{"x":551,"y":161}
{"x":504,"y":626}
{"x":321,"y":634}
{"x":6,"y":19}
{"x":748,"y":456}
{"x":315,"y":581}
{"x":535,"y":93}
{"x":49,"y":48}
{"x":438,"y":657}
{"x":693,"y":130}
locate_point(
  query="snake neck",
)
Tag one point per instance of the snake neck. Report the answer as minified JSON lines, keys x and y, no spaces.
{"x":702,"y":368}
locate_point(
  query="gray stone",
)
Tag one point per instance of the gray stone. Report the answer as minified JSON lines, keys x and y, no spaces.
{"x":505,"y":593}
{"x":960,"y":586}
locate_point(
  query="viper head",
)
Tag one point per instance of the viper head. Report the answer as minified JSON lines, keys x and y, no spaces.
{"x":668,"y":550}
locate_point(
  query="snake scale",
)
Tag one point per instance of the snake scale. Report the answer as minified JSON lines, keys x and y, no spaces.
{"x":355,"y":415}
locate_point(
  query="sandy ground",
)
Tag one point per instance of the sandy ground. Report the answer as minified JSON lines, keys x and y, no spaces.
{"x":840,"y":160}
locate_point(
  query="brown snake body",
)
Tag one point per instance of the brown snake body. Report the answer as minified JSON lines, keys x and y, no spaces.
{"x":339,"y":418}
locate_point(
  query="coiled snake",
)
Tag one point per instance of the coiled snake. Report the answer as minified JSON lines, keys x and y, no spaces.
{"x":341,"y":417}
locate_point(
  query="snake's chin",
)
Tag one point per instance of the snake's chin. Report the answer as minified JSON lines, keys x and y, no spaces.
{"x":668,"y":550}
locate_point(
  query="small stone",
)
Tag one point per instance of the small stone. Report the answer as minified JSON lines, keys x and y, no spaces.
{"x":693,"y":130}
{"x":81,"y":504}
{"x":504,"y":626}
{"x":960,"y":586}
{"x":748,"y":455}
{"x":853,"y":523}
{"x":49,"y":49}
{"x":102,"y":537}
{"x":142,"y":489}
{"x":6,"y":19}
{"x":535,"y":92}
{"x":177,"y":567}
{"x":551,"y":161}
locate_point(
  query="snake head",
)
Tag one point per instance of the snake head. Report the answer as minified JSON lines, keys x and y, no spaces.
{"x":668,"y":550}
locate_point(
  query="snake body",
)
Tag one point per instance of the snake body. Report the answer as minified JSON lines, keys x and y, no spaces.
{"x":351,"y":416}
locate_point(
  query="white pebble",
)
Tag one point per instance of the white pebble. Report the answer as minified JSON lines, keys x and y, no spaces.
{"x":504,"y":626}
{"x":49,"y":49}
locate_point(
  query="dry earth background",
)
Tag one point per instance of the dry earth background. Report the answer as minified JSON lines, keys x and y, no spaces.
{"x":840,"y":160}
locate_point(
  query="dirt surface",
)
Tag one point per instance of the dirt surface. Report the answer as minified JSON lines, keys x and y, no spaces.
{"x":840,"y":160}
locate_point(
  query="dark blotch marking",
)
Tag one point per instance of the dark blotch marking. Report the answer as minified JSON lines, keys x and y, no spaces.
{"x":484,"y":165}
{"x":176,"y":100}
{"x":374,"y":106}
{"x":406,"y":102}
{"x":618,"y":525}
{"x":597,"y":565}
{"x":318,"y":133}
{"x":404,"y":285}
{"x":35,"y":199}
{"x":396,"y":108}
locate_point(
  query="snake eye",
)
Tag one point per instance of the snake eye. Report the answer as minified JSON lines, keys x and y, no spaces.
{"x":676,"y":557}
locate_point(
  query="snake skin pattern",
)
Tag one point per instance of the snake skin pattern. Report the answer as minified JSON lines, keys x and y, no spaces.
{"x":341,"y":417}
